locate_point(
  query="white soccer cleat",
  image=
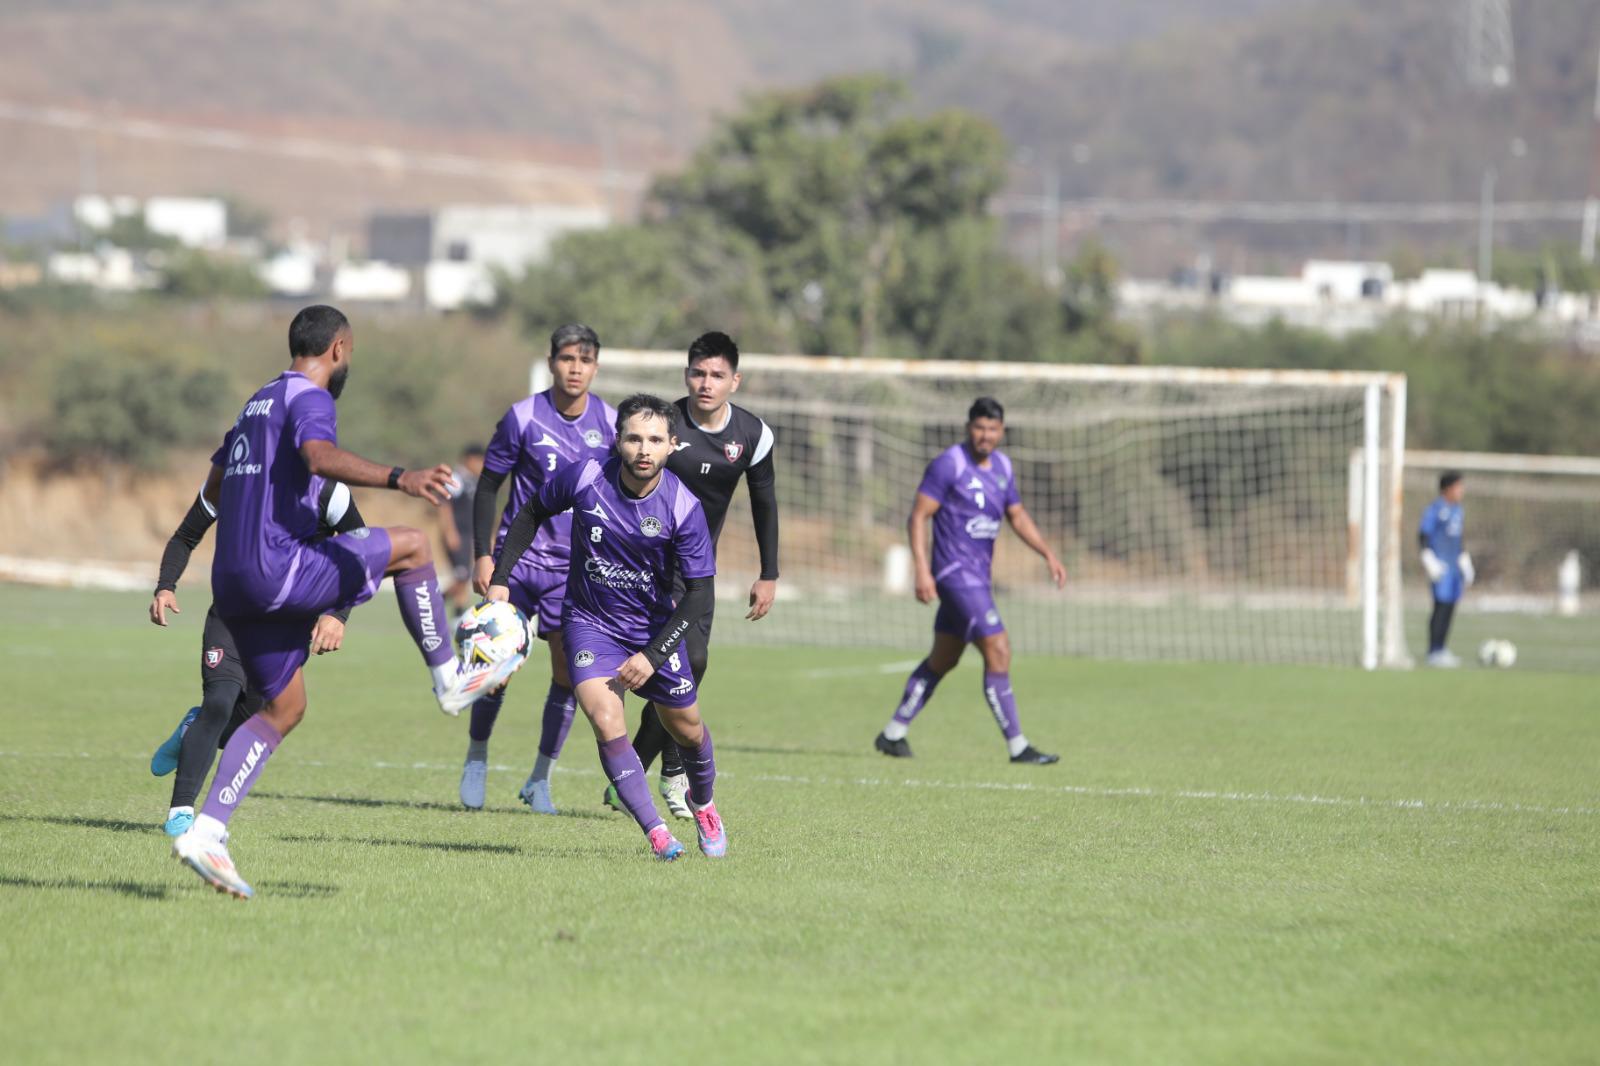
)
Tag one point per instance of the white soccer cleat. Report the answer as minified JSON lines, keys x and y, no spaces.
{"x":208,"y":857}
{"x":675,"y":790}
{"x":1443,"y":660}
{"x":470,"y":684}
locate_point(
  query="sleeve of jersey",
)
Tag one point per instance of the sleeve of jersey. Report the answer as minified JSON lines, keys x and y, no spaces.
{"x":935,"y":480}
{"x":699,"y":594}
{"x":312,"y":417}
{"x":184,"y":540}
{"x":692,"y":540}
{"x":1013,"y":491}
{"x":505,"y":446}
{"x":762,"y":480}
{"x":1430,"y":522}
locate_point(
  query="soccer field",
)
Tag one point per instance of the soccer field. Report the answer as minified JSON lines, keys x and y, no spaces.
{"x":1230,"y":864}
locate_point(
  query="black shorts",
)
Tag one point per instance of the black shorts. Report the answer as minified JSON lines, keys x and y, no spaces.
{"x":219,"y":655}
{"x":461,"y":563}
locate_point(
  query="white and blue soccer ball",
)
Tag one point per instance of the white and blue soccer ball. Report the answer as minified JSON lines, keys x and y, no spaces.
{"x":1498,"y":653}
{"x":492,"y":632}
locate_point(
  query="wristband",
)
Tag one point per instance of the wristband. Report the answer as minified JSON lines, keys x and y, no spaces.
{"x":394,"y":476}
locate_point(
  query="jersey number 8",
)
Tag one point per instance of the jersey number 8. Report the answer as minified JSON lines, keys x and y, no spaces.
{"x":595,"y":533}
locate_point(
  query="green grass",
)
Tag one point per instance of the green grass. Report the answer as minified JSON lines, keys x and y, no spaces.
{"x":1224,"y":868}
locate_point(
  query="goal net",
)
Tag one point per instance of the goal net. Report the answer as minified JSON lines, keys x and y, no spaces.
{"x":1201,"y":514}
{"x":1532,"y":525}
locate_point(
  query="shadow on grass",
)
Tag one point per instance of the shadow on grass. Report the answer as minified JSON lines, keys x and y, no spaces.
{"x":122,"y":888}
{"x":369,"y":802}
{"x":464,"y":846}
{"x":115,"y":825}
{"x":864,"y":752}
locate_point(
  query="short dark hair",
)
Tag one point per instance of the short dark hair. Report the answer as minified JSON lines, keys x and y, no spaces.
{"x":986,"y":407}
{"x":574,"y":333}
{"x":473,"y":449}
{"x":1448,"y":478}
{"x":644,"y":403}
{"x":314,"y":330}
{"x":714,"y":344}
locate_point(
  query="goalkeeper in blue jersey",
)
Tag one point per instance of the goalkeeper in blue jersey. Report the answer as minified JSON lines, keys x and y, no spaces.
{"x":1449,"y":567}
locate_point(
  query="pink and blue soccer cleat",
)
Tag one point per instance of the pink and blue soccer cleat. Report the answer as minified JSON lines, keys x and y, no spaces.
{"x":664,"y":844}
{"x":708,"y":824}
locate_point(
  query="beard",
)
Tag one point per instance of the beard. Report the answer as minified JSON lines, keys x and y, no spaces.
{"x":337,"y":380}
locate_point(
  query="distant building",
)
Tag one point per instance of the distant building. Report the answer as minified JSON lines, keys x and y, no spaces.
{"x":507,"y":236}
{"x":191,"y":221}
{"x":403,"y":239}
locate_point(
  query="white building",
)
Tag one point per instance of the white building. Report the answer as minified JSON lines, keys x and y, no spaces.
{"x":508,"y":236}
{"x":448,"y":286}
{"x":370,"y":280}
{"x":193,"y":222}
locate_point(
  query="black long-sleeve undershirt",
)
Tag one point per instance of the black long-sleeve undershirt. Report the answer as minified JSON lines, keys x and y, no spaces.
{"x":762,"y":480}
{"x":698,"y":598}
{"x":484,"y":502}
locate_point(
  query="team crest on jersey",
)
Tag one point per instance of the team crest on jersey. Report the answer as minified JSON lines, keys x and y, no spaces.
{"x":651,"y":526}
{"x":582,"y":659}
{"x":733,"y":449}
{"x":214,"y":657}
{"x":992,"y":617}
{"x":592,"y":438}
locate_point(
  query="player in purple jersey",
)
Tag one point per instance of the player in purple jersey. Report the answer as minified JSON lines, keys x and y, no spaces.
{"x":538,"y":438}
{"x":635,"y":528}
{"x":272,"y":576}
{"x":966,"y":491}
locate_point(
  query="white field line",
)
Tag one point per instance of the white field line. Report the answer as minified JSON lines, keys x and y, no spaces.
{"x":856,"y":671}
{"x":1093,"y":791}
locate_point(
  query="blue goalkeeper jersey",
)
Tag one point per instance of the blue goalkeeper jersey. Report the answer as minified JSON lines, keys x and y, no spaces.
{"x":1441,"y":530}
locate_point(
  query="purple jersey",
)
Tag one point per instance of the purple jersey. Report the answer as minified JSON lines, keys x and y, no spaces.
{"x":626,"y":551}
{"x":268,"y":505}
{"x":972,"y":502}
{"x":533,"y":443}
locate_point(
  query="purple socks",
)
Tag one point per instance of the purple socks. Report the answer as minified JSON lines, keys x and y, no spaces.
{"x":623,"y":768}
{"x":1002,"y":704}
{"x":919,"y":690}
{"x":484,"y":712}
{"x":247,"y":752}
{"x":559,"y":705}
{"x":422,"y":610}
{"x":701,"y":766}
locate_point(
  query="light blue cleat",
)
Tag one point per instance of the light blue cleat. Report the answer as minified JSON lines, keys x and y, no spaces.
{"x":179,"y":821}
{"x":536,"y":794}
{"x":474,"y":781}
{"x":165,"y":760}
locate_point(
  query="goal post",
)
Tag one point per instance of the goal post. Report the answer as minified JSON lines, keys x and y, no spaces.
{"x":1202,"y":514}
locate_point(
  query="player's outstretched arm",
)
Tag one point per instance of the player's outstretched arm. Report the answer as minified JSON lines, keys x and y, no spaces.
{"x":1022,"y":522}
{"x":175,"y":557}
{"x":326,"y":459}
{"x":519,"y":538}
{"x":485,"y":501}
{"x":762,"y":481}
{"x":922,"y":511}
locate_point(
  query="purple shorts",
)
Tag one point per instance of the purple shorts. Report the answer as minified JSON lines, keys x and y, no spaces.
{"x":323,"y":576}
{"x":540,"y":594}
{"x":968,"y":612}
{"x":591,"y":653}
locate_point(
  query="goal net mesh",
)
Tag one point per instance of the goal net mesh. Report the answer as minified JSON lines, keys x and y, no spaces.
{"x":1199,"y":518}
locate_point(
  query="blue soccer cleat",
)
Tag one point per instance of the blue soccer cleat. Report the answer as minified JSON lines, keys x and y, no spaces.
{"x":165,"y":760}
{"x":474,"y":782}
{"x":536,"y":794}
{"x":178,"y":821}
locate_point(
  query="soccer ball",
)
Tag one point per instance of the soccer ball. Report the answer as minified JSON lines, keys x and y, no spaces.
{"x":490,"y":633}
{"x":1498,"y":653}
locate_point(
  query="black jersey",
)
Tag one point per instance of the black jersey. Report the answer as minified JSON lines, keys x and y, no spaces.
{"x":711,"y":462}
